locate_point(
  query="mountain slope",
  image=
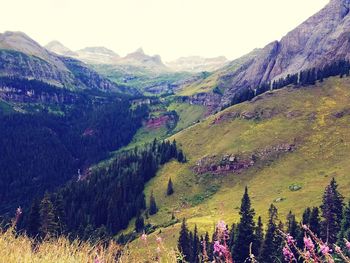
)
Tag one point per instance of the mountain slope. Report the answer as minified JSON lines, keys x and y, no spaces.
{"x":292,"y":136}
{"x":22,"y":57}
{"x":321,"y":39}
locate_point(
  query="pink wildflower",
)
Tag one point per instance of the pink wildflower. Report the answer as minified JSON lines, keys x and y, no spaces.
{"x":309,"y":244}
{"x":325,"y":250}
{"x":338,"y":250}
{"x":97,"y":260}
{"x":290,"y":240}
{"x":144,"y":237}
{"x":347,"y":244}
{"x":219,"y":249}
{"x":288,"y":254}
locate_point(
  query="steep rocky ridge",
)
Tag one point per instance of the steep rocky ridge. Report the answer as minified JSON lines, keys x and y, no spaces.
{"x":323,"y":38}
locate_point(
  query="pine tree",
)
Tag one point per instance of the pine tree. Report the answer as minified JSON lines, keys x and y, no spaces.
{"x":59,"y":213}
{"x":306,"y":216}
{"x":48,"y":220}
{"x":292,"y":225}
{"x":139,"y":223}
{"x":153,"y":209}
{"x":33,"y":223}
{"x":315,"y":221}
{"x":259,"y":234}
{"x":271,"y":246}
{"x":170,"y":189}
{"x":331,"y":207}
{"x":245,"y":230}
{"x":195,"y":246}
{"x":184,"y":243}
{"x":345,"y":226}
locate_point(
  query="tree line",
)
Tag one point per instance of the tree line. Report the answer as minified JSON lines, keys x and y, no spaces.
{"x":330,"y":222}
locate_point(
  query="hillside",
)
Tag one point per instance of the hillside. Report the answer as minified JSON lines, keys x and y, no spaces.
{"x":293,"y":136}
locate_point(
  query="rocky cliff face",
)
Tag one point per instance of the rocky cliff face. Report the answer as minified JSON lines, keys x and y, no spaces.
{"x":323,"y":38}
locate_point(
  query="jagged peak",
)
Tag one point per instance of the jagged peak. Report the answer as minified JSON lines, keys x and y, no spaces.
{"x":140,"y":50}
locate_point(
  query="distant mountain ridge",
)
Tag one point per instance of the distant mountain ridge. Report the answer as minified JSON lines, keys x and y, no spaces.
{"x":22,"y":57}
{"x":197,"y":63}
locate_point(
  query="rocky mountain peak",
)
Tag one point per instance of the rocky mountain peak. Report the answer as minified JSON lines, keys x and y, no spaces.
{"x":58,"y":48}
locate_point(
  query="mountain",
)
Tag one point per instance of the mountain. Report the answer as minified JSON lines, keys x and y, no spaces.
{"x":321,"y":39}
{"x":197,"y":64}
{"x":97,"y":55}
{"x":60,"y":49}
{"x":22,"y":57}
{"x":139,"y":59}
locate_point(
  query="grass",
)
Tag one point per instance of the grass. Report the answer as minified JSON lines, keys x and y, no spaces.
{"x":304,"y":116}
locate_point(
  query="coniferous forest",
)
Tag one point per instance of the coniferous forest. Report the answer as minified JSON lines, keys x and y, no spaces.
{"x":100,"y":205}
{"x":41,"y":150}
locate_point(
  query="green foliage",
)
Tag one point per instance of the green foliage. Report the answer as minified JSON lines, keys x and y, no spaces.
{"x":332,"y":212}
{"x":153,"y":209}
{"x":245,"y":231}
{"x":170,"y":188}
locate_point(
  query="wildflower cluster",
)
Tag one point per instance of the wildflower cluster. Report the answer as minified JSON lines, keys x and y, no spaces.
{"x":315,"y":250}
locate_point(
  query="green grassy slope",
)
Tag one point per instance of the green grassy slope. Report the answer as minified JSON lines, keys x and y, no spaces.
{"x":315,"y":119}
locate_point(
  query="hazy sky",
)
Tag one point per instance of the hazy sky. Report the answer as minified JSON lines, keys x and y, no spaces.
{"x":171,"y":28}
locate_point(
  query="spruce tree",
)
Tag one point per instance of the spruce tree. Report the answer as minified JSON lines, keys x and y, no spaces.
{"x":271,"y":246}
{"x":195,"y":246}
{"x":345,"y":226}
{"x":331,"y":207}
{"x":170,"y":189}
{"x":48,"y":220}
{"x":33,"y":221}
{"x":184,"y":243}
{"x":245,"y":231}
{"x":153,"y":209}
{"x":259,"y":234}
{"x":139,"y":223}
{"x":315,"y":221}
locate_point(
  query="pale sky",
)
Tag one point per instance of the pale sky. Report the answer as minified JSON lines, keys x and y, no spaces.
{"x":170,"y":28}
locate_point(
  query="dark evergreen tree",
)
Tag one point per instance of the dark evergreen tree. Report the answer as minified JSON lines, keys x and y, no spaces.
{"x":48,"y":220}
{"x":184,"y":243}
{"x":345,"y":227}
{"x":332,"y":212}
{"x":315,"y":221}
{"x":33,"y":224}
{"x":170,"y":188}
{"x":153,"y":209}
{"x":139,"y":223}
{"x":195,"y":246}
{"x":259,"y":234}
{"x":306,"y":216}
{"x":245,"y":231}
{"x":270,"y":248}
